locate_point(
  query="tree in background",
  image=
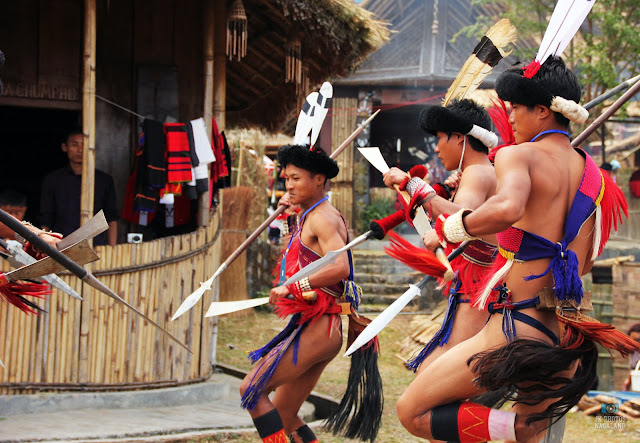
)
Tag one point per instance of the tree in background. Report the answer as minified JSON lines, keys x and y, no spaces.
{"x":603,"y":53}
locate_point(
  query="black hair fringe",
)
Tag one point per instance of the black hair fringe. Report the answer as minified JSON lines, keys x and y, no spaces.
{"x":363,"y":400}
{"x":527,"y":369}
{"x":363,"y":397}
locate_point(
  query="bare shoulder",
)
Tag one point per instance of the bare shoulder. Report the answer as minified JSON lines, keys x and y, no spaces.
{"x":483,"y":172}
{"x":325,"y":219}
{"x":521,"y":152}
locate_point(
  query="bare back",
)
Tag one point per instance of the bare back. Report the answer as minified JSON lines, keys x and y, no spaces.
{"x":554,"y":170}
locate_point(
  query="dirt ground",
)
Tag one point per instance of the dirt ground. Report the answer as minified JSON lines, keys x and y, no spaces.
{"x":238,"y":336}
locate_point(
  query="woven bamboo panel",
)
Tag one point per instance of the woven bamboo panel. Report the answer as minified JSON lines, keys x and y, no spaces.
{"x":119,"y":348}
{"x":342,"y":200}
{"x":343,"y":123}
{"x":381,"y":194}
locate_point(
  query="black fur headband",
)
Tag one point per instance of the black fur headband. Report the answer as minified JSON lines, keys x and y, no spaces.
{"x":314,"y":160}
{"x":512,"y":87}
{"x":435,"y":119}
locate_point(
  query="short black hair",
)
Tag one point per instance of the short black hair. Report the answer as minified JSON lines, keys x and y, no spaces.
{"x":457,"y":116}
{"x":634,"y":328}
{"x":9,"y":197}
{"x":74,"y":130}
{"x":606,"y":166}
{"x":313,"y":159}
{"x":554,"y":79}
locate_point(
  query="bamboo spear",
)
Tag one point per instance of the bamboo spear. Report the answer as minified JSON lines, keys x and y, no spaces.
{"x":74,"y":267}
{"x":193,"y":298}
{"x":606,"y":114}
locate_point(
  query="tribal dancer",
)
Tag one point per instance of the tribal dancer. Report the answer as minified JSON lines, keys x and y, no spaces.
{"x":464,"y":136}
{"x":293,"y":361}
{"x":553,"y":210}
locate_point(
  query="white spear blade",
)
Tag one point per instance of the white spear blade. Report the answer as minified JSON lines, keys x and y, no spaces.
{"x":1,"y":364}
{"x":330,"y":257}
{"x":227,"y":307}
{"x":19,"y":258}
{"x":196,"y":295}
{"x":374,"y":156}
{"x":383,"y":319}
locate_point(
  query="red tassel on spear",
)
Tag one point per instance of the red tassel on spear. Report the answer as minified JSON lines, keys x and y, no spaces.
{"x":14,"y":292}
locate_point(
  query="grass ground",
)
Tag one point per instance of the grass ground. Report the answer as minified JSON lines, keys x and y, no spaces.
{"x":239,"y":336}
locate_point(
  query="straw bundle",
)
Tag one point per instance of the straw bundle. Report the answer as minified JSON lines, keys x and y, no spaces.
{"x":236,"y":205}
{"x":422,"y":331}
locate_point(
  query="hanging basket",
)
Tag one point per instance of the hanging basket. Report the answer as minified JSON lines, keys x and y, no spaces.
{"x":236,"y":31}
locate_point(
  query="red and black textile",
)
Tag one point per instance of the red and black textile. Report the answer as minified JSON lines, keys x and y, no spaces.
{"x":154,"y":153}
{"x":178,"y":153}
{"x":148,"y":175}
{"x":634,"y":183}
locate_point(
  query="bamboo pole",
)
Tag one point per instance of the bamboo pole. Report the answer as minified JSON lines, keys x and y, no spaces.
{"x":88,"y":112}
{"x":88,"y":164}
{"x":220,"y":64}
{"x":203,"y":199}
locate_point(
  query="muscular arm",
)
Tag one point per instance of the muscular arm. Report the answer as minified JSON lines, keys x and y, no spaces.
{"x":508,"y":204}
{"x":472,"y":192}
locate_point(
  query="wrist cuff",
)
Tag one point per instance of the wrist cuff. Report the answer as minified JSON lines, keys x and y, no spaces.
{"x":453,"y":228}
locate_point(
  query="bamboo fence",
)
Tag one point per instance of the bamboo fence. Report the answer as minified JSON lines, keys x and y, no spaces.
{"x":343,"y":121}
{"x":120,"y":350}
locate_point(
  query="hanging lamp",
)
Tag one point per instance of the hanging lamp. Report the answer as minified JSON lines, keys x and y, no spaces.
{"x":236,"y":31}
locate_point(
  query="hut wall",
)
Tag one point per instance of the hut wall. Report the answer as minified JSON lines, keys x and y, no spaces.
{"x":616,"y":300}
{"x":343,"y":123}
{"x":120,"y":349}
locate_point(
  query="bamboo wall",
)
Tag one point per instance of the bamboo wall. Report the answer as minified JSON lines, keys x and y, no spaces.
{"x":100,"y":344}
{"x":343,"y":122}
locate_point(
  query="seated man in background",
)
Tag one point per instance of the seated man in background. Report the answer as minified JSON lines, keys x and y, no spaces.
{"x":13,"y":203}
{"x":61,"y":189}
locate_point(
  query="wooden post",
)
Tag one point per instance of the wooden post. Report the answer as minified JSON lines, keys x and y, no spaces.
{"x":203,"y":200}
{"x":220,"y":64}
{"x":88,"y":161}
{"x":219,"y":104}
{"x":88,"y":112}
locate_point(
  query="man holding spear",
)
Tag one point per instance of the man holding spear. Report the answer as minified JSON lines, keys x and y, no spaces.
{"x":293,"y":361}
{"x":553,"y":210}
{"x":458,"y":151}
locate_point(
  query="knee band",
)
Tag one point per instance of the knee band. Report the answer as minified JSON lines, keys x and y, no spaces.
{"x":270,"y":427}
{"x":470,"y":422}
{"x":306,"y":434}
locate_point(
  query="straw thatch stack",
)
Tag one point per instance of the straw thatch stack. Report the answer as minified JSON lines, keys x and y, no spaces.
{"x":236,"y":205}
{"x":423,"y":329}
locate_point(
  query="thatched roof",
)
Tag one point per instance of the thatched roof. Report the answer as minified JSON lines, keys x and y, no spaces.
{"x":421,"y":51}
{"x":335,"y":36}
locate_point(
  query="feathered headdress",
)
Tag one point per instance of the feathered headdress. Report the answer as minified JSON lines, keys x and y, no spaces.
{"x":486,"y":55}
{"x":520,"y":86}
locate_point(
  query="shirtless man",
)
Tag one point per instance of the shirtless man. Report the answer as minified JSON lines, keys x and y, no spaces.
{"x":459,"y":152}
{"x":538,"y":181}
{"x":315,"y":331}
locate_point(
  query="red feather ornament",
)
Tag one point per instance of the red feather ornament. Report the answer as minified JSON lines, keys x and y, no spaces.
{"x":613,"y":205}
{"x":14,"y":292}
{"x":420,"y":259}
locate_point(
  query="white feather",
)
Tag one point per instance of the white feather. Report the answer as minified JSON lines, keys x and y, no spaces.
{"x":597,"y":235}
{"x":496,"y":279}
{"x":305,"y":119}
{"x":326,"y":93}
{"x":566,"y":19}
